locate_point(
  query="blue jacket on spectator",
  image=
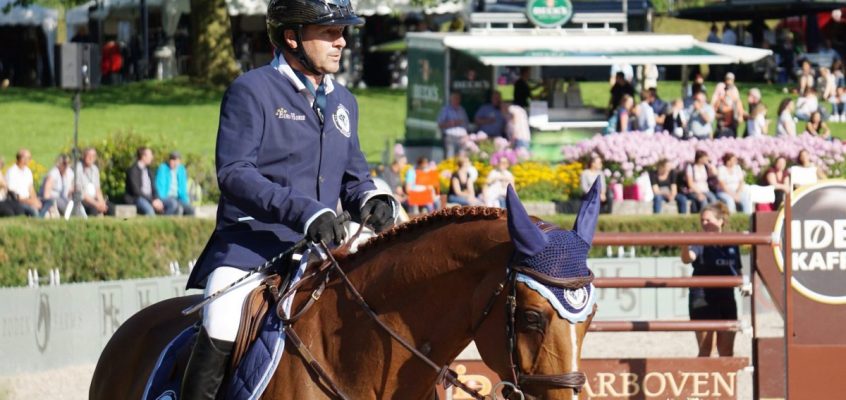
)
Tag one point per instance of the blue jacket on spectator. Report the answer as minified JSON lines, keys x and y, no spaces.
{"x":163,"y":177}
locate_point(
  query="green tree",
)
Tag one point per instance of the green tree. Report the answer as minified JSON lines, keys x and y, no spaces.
{"x":213,"y":59}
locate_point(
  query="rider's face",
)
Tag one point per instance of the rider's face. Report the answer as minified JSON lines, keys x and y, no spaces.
{"x":323,"y":44}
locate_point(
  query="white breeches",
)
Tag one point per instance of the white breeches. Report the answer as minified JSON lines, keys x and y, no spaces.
{"x":222,"y":316}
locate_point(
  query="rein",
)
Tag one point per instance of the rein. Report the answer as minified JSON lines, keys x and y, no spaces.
{"x":447,"y":377}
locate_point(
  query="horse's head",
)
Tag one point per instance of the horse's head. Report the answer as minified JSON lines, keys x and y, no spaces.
{"x":550,"y":304}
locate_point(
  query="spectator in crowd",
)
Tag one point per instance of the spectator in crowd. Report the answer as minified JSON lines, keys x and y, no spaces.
{"x":497,"y":183}
{"x":727,"y":106}
{"x":713,"y":34}
{"x":588,"y":177}
{"x":676,"y":120}
{"x":172,"y":186}
{"x":522,"y":88}
{"x":9,"y":206}
{"x":626,"y":69}
{"x":697,"y":86}
{"x":620,"y":89}
{"x":817,"y":127}
{"x":20,"y":182}
{"x":489,"y":117}
{"x":806,"y":76}
{"x":393,"y":177}
{"x":804,"y":162}
{"x":837,"y":70}
{"x":786,"y":123}
{"x":659,"y":107}
{"x":88,"y":183}
{"x":517,"y":128}
{"x":776,"y":176}
{"x":461,"y":185}
{"x":732,"y":189}
{"x":57,"y":188}
{"x":422,"y":186}
{"x":753,"y":98}
{"x":140,"y":187}
{"x":650,"y":76}
{"x":713,"y":303}
{"x":621,"y":119}
{"x":829,"y":90}
{"x":700,"y":116}
{"x":697,"y":175}
{"x":453,"y":122}
{"x":665,"y":189}
{"x":729,"y":36}
{"x":757,"y":124}
{"x":645,"y":115}
{"x":807,"y":104}
{"x":840,"y":105}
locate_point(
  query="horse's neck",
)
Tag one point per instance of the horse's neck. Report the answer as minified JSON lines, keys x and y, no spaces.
{"x":428,"y":290}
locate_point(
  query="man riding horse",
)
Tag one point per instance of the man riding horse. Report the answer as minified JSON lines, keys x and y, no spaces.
{"x":287,"y":155}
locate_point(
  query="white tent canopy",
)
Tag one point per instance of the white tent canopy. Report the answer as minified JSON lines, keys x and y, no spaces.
{"x":578,"y":47}
{"x":34,"y":15}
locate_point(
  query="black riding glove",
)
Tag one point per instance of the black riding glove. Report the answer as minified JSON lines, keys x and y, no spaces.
{"x":381,"y":214}
{"x":327,"y":228}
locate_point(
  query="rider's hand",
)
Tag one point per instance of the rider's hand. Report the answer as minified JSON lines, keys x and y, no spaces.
{"x":325,"y":227}
{"x":380,"y":213}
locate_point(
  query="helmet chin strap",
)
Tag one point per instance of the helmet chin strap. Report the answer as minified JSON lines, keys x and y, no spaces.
{"x":300,"y":53}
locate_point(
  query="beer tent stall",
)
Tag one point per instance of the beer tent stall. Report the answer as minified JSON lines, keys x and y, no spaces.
{"x":467,"y":62}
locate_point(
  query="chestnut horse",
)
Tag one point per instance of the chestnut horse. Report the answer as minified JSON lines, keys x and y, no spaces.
{"x":436,"y":281}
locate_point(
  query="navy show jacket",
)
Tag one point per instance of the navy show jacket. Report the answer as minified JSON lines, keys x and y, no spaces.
{"x":277,"y":168}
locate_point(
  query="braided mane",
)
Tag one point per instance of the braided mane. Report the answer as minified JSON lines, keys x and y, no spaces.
{"x":452,"y":214}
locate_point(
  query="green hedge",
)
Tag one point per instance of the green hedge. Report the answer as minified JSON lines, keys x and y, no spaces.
{"x":108,"y":248}
{"x":98,"y":248}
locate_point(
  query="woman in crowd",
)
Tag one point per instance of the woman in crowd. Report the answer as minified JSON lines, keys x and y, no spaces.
{"x":806,"y":167}
{"x":786,"y":124}
{"x":676,"y":120}
{"x":664,"y":186}
{"x":806,"y":76}
{"x":57,"y":187}
{"x":716,"y":303}
{"x":829,"y":90}
{"x":817,"y":127}
{"x":623,"y":114}
{"x":461,"y":190}
{"x":589,"y":175}
{"x":697,"y":175}
{"x":757,"y":123}
{"x":776,"y":177}
{"x":496,"y":184}
{"x":807,"y":104}
{"x":732,"y":189}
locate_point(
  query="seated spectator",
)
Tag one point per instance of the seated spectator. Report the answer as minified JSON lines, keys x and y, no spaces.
{"x":140,"y":189}
{"x":57,"y":188}
{"x":489,"y":117}
{"x":659,"y":107}
{"x":9,"y":206}
{"x":422,"y":187}
{"x":757,"y":124}
{"x":839,"y":106}
{"x":829,"y":89}
{"x":461,"y":185}
{"x":753,"y":98}
{"x":20,"y":183}
{"x":88,"y":183}
{"x":776,"y":176}
{"x":517,"y":126}
{"x":805,"y":171}
{"x":676,"y":121}
{"x":807,"y":104}
{"x":806,"y":76}
{"x":621,"y":119}
{"x":732,"y":189}
{"x":172,"y":186}
{"x":817,"y":127}
{"x":665,"y":189}
{"x":393,"y":177}
{"x":697,"y":175}
{"x":645,"y":115}
{"x":700,"y":117}
{"x":588,"y":177}
{"x":496,"y":184}
{"x":786,"y":123}
{"x":453,"y":123}
{"x":620,"y":87}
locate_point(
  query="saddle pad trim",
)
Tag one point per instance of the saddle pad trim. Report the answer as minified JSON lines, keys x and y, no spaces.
{"x":161,"y":358}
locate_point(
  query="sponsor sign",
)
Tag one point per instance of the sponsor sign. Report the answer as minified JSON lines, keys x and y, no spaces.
{"x":818,"y":241}
{"x":549,"y":13}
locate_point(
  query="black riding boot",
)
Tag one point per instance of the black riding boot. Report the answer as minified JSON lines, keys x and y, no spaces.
{"x":206,"y":367}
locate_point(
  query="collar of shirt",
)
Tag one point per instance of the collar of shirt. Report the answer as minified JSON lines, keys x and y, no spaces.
{"x":282,"y":66}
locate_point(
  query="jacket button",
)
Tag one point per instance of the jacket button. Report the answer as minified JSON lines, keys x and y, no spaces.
{"x":320,"y":178}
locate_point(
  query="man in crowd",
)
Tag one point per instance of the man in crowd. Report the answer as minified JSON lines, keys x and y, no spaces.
{"x":620,"y":88}
{"x":489,"y":118}
{"x":453,"y":122}
{"x":700,"y":115}
{"x":57,"y":187}
{"x":727,"y":106}
{"x":172,"y":186}
{"x":140,"y":189}
{"x":20,"y":182}
{"x":88,"y":183}
{"x":659,"y":107}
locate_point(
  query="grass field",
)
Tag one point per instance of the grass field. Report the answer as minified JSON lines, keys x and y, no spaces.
{"x":187,"y":115}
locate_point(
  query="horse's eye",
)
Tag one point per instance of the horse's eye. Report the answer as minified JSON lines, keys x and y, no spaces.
{"x":533,"y":320}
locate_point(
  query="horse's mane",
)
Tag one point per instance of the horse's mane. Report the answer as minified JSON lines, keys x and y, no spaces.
{"x":452,"y":214}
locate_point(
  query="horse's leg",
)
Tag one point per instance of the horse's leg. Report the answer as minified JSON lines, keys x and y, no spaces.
{"x":129,"y":357}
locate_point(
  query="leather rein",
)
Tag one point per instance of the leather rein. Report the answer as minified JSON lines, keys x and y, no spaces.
{"x":446,"y":376}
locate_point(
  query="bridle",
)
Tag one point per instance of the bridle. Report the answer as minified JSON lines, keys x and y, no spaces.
{"x":447,"y":377}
